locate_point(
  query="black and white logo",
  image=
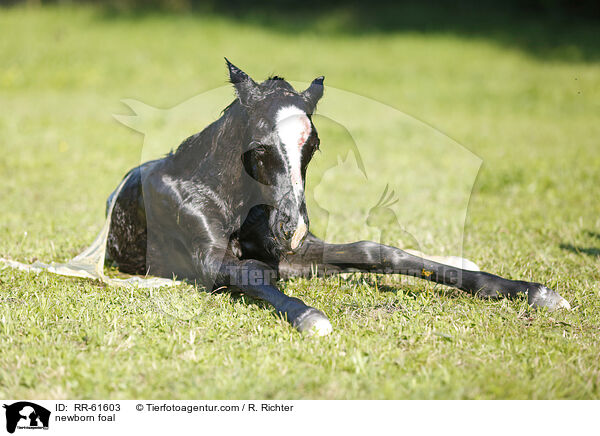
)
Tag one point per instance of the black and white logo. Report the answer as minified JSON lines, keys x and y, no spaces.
{"x":26,"y":415}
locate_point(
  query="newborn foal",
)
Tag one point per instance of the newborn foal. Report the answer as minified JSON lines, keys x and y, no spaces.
{"x":228,"y":209}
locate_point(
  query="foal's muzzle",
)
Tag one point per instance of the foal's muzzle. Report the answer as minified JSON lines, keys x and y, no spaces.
{"x":292,"y":232}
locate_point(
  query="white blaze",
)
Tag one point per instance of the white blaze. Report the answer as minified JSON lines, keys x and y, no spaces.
{"x":293,"y":128}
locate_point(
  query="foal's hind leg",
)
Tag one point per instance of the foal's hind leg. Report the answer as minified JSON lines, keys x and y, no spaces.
{"x":364,"y":256}
{"x":126,"y":242}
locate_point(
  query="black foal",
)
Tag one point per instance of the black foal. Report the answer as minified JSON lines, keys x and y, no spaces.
{"x":228,"y":209}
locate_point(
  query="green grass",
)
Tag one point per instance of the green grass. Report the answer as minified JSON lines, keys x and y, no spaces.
{"x":534,"y":214}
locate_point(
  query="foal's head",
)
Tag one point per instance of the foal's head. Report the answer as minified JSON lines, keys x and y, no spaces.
{"x":281,"y":142}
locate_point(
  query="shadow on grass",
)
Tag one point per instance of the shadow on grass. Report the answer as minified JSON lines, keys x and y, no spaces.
{"x":547,"y":29}
{"x":406,"y":286}
{"x":594,"y":235}
{"x":239,"y":297}
{"x":590,"y":251}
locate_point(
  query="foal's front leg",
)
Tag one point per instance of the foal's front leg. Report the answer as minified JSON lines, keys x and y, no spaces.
{"x":256,"y":279}
{"x":364,"y":256}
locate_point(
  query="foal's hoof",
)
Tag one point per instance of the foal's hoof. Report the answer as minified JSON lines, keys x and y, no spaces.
{"x":313,"y":322}
{"x":541,"y":296}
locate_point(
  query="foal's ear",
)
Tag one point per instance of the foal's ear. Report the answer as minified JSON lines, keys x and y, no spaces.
{"x":314,"y":92}
{"x":246,"y":88}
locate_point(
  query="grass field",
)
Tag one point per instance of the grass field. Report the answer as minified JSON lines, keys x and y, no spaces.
{"x":529,"y":113}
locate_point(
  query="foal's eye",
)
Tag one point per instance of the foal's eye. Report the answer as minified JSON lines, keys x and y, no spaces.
{"x":255,"y":161}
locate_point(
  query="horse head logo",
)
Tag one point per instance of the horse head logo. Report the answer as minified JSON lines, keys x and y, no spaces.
{"x":25,"y":414}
